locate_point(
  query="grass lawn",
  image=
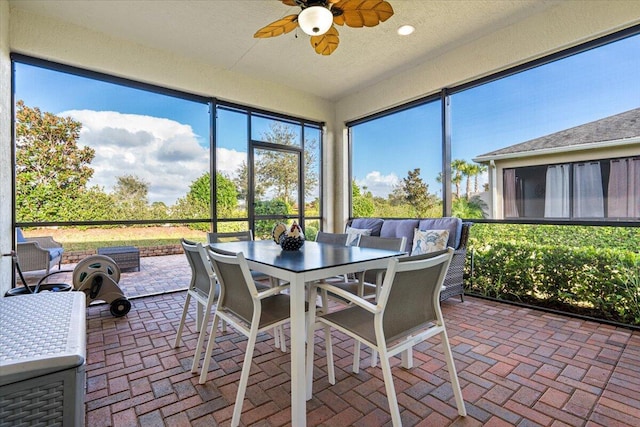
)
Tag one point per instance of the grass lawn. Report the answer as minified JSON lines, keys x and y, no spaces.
{"x":74,"y":239}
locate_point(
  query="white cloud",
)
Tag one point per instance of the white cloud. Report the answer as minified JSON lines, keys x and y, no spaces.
{"x":162,"y":152}
{"x":379,"y":185}
{"x":228,"y":161}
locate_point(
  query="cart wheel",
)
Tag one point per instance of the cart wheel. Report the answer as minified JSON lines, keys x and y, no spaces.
{"x":120,"y":307}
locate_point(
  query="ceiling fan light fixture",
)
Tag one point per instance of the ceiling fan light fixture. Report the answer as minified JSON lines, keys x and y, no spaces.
{"x":315,"y":20}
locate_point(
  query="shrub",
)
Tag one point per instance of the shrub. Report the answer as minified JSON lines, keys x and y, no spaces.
{"x":585,"y":270}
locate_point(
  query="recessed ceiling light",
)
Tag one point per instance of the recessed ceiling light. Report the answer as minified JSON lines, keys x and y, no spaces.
{"x":405,"y":30}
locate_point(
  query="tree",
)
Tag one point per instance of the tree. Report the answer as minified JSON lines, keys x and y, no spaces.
{"x":467,"y":171}
{"x":52,"y":171}
{"x":457,"y":167}
{"x":226,"y":194}
{"x":130,"y":194}
{"x":279,"y":171}
{"x":241,"y":182}
{"x":416,"y":193}
{"x":197,"y":202}
{"x":362,"y":206}
{"x":480,"y":169}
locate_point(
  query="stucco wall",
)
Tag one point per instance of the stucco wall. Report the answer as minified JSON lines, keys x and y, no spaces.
{"x":5,"y":150}
{"x":557,"y":28}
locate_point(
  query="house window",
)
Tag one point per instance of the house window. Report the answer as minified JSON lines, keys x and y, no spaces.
{"x":608,"y":188}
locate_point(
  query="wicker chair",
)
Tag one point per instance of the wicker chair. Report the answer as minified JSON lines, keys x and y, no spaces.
{"x":38,"y":253}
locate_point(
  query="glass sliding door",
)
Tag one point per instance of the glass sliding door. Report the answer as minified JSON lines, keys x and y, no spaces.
{"x":271,"y":165}
{"x":276,"y":183}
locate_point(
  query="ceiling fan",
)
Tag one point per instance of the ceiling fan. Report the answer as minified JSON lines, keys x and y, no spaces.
{"x":317,"y":18}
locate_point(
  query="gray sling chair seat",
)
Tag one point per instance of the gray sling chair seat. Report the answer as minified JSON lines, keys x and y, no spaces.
{"x":236,"y":236}
{"x":339,"y":239}
{"x":245,"y":308}
{"x":406,"y":313}
{"x":367,"y":283}
{"x":203,"y":288}
{"x":259,"y":278}
{"x":332,"y":238}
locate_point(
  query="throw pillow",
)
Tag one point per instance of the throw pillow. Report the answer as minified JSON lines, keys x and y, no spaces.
{"x":353,"y":235}
{"x":429,"y":241}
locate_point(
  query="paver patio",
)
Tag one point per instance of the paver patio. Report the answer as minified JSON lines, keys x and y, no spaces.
{"x":517,"y":366}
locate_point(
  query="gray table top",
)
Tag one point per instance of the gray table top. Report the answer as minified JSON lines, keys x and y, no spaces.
{"x":312,"y":256}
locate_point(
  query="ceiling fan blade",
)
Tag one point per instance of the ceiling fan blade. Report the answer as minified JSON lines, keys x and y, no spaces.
{"x":362,"y":13}
{"x":327,"y":43}
{"x":277,"y":28}
{"x":290,"y":2}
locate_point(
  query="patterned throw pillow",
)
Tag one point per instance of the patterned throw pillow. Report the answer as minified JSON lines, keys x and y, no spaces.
{"x":353,"y":235}
{"x":429,"y":241}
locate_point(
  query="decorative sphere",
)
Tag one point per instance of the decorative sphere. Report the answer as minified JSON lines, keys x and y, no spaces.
{"x":291,"y":243}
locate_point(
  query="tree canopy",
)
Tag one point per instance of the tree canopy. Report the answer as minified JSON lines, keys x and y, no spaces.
{"x":52,"y":170}
{"x":278,"y":171}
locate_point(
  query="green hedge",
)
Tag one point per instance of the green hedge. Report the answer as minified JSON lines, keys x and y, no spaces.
{"x":593,"y":271}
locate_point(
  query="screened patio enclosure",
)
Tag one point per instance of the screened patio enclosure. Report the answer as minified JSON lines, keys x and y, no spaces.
{"x":84,"y":40}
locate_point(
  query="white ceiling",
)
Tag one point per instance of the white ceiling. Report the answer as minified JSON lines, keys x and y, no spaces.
{"x":220,"y":33}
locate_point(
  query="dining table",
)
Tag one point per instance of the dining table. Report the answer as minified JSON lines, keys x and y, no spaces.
{"x":312,"y":262}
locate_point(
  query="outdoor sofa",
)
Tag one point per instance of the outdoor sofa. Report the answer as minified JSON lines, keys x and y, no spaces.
{"x":458,"y":236}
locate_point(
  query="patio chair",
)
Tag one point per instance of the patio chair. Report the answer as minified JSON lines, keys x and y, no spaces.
{"x":236,"y":236}
{"x":367,"y":283}
{"x":38,"y":253}
{"x":204,"y":289}
{"x":245,"y":308}
{"x":332,"y":238}
{"x":232,"y":236}
{"x":259,"y":278}
{"x":407,"y":312}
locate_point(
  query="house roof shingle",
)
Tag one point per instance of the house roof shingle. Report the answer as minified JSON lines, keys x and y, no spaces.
{"x":618,"y":127}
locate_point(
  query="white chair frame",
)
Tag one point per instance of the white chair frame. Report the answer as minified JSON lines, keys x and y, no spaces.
{"x":204,"y":303}
{"x":378,"y":310}
{"x":251,"y":330}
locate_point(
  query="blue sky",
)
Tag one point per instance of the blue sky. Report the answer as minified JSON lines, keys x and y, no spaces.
{"x":537,"y":102}
{"x":559,"y":95}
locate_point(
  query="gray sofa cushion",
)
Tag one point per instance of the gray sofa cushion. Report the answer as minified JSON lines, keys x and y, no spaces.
{"x":454,"y":225}
{"x":400,"y":228}
{"x":373,"y":224}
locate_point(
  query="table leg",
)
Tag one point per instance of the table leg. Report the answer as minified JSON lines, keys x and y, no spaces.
{"x":298,"y":380}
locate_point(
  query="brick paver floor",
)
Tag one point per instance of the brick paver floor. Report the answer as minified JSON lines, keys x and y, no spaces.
{"x":516,"y":366}
{"x":157,"y":275}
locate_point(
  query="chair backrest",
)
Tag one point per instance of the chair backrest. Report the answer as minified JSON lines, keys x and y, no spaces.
{"x":19,"y":236}
{"x":389,"y":243}
{"x":202,"y":277}
{"x":410,"y":294}
{"x":237,"y":287}
{"x":332,"y":238}
{"x":233,"y":236}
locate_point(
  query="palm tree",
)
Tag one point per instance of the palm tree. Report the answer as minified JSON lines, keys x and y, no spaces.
{"x":480,"y":169}
{"x":457,"y":168}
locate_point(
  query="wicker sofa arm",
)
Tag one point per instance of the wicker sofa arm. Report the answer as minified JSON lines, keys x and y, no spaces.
{"x":464,"y":236}
{"x":44,"y":242}
{"x":31,"y":256}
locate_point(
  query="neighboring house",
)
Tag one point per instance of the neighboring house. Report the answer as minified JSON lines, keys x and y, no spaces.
{"x":591,"y":171}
